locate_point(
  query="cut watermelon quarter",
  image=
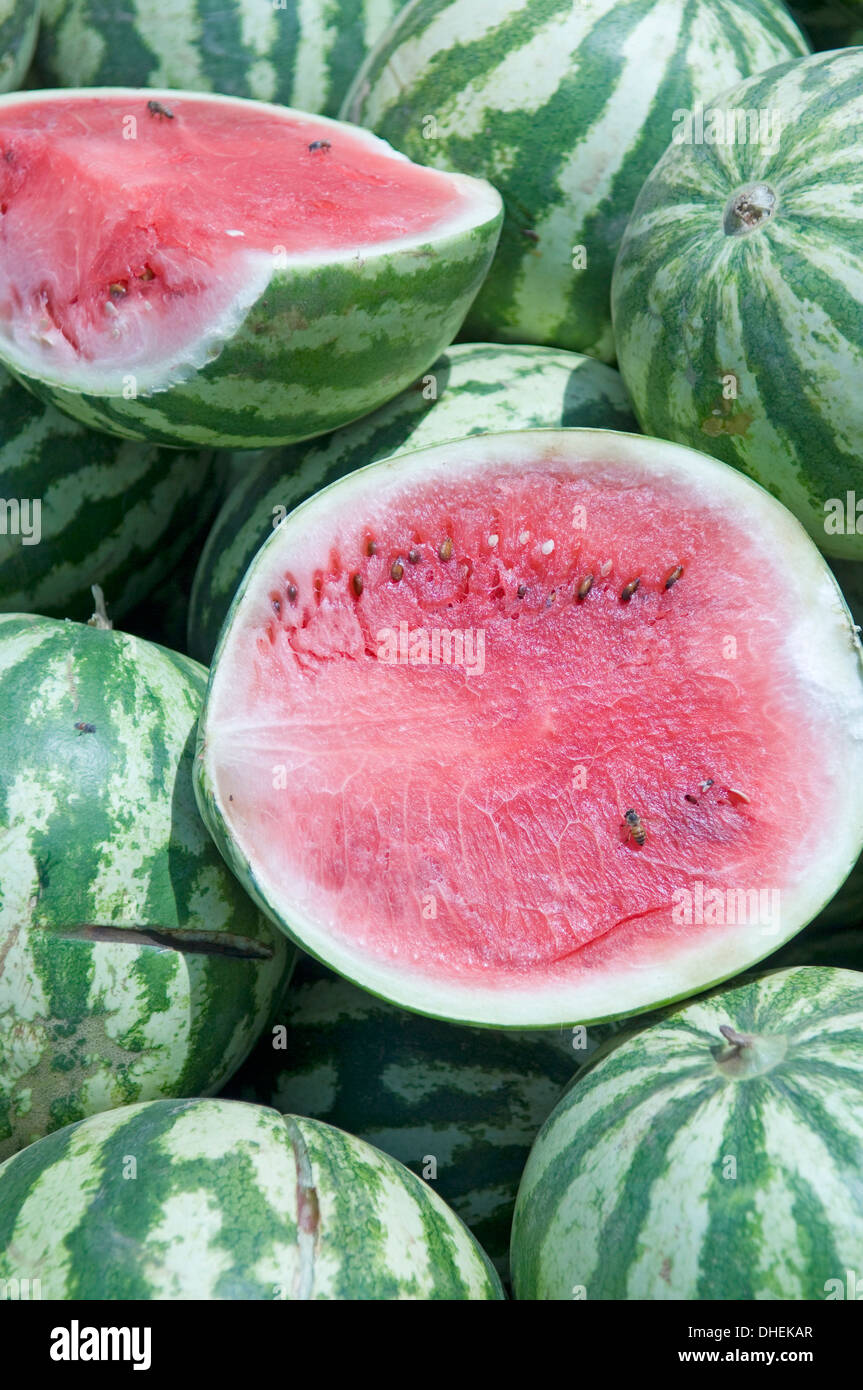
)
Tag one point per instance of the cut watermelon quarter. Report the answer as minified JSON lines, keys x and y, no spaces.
{"x":537,"y":727}
{"x":188,"y":268}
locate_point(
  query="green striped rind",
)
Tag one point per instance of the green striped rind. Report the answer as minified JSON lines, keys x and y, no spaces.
{"x":778,"y":310}
{"x":114,"y":513}
{"x":228,"y":1202}
{"x":324,"y":343}
{"x":458,"y":1106}
{"x":565,"y":108}
{"x":304,"y":53}
{"x":100,"y":830}
{"x":474,"y":388}
{"x":662,"y":1175}
{"x":19,"y":24}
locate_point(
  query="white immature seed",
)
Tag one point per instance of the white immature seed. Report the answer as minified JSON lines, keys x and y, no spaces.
{"x":524,"y":537}
{"x":547,"y":547}
{"x":493,"y":540}
{"x":606,"y":569}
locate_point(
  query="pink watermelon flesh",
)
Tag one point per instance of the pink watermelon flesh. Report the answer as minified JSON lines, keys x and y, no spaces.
{"x":497,"y":799}
{"x":118,"y":250}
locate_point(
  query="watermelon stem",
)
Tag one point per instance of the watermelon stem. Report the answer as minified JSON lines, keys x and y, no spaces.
{"x":748,"y":209}
{"x":737,"y":1040}
{"x":100,"y":617}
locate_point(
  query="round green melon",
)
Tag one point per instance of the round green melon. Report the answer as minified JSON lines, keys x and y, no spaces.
{"x":473,"y":388}
{"x":538,"y":727}
{"x":714,"y":1156}
{"x":80,"y":508}
{"x":460,"y":1107}
{"x":303,"y":53}
{"x":211,"y":1199}
{"x":19,"y":25}
{"x":738,"y":308}
{"x":565,"y":108}
{"x":133,"y":964}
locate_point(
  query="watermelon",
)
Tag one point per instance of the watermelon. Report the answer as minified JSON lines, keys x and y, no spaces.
{"x":230,"y":1202}
{"x":79,"y":508}
{"x":714,"y":1155}
{"x":19,"y":25}
{"x":537,"y":727}
{"x":474,"y":388}
{"x":243,"y":275}
{"x":565,"y":108}
{"x":133,"y":964}
{"x":458,"y":1106}
{"x":738,"y":306}
{"x":303,"y":53}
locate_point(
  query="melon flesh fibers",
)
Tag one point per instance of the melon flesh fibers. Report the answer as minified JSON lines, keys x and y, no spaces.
{"x":453,"y":835}
{"x":135,"y":240}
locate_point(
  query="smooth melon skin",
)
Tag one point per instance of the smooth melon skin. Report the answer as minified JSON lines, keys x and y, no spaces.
{"x":87,"y":508}
{"x":565,"y":107}
{"x":230,"y":1202}
{"x":455,"y":842}
{"x":689,"y":1164}
{"x":303,"y":53}
{"x":460,"y":1107}
{"x":351,"y":269}
{"x":737,"y":300}
{"x":473,"y":388}
{"x":134,"y":966}
{"x":19,"y":25}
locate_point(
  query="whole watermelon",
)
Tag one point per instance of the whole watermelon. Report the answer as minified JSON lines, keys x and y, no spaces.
{"x":302,"y":53}
{"x":472,"y":388}
{"x":738,"y":299}
{"x":132,"y":964}
{"x":19,"y":24}
{"x":714,"y":1155}
{"x":565,"y":108}
{"x":460,"y":1107}
{"x":83,"y":508}
{"x":228,"y":1202}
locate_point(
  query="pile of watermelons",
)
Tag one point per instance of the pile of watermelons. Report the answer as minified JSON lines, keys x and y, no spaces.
{"x":487,"y":922}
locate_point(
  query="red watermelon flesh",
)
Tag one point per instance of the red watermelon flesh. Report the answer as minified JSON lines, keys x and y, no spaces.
{"x":454,"y":835}
{"x":177,"y":207}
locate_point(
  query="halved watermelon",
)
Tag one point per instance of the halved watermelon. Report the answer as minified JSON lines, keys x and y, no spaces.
{"x":185,"y":267}
{"x":538,"y":727}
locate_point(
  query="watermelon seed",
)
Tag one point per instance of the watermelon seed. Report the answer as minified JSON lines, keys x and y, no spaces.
{"x":690,"y":797}
{"x":550,"y":600}
{"x":146,"y":274}
{"x":547,"y":547}
{"x":493,"y":540}
{"x":523,"y":537}
{"x":371,"y":548}
{"x":706,"y":784}
{"x":605,"y":571}
{"x":292,"y":593}
{"x":673,"y":576}
{"x":522,"y":590}
{"x":628,"y":590}
{"x":117,"y":288}
{"x":414,"y":556}
{"x":357,"y":582}
{"x":277,"y":607}
{"x":445,"y":550}
{"x":397,"y":571}
{"x":584,"y":587}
